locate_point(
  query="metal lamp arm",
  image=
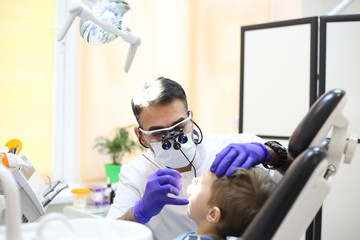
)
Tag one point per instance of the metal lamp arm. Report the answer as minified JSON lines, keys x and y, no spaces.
{"x":75,"y":10}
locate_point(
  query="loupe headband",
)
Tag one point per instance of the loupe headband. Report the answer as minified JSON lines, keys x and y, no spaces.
{"x":166,"y":129}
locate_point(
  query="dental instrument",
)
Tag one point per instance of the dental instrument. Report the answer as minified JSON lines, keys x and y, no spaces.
{"x":50,"y":197}
{"x":153,"y":162}
{"x":51,"y":188}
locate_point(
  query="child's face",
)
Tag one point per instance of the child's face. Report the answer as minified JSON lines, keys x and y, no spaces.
{"x":199,"y":193}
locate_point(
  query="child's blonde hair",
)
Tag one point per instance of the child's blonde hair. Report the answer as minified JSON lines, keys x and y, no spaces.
{"x":240,"y":198}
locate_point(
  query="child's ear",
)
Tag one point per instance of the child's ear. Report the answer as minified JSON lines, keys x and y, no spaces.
{"x":214,"y":215}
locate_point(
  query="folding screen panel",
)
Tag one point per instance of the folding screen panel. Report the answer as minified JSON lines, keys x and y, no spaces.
{"x":340,"y":61}
{"x":277,"y":76}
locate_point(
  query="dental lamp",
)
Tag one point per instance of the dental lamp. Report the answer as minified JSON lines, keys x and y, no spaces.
{"x":102,"y":23}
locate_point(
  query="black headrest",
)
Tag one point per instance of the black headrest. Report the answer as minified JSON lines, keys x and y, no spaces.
{"x":313,"y":121}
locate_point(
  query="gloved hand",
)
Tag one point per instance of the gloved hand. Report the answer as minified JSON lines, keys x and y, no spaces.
{"x":159,"y":185}
{"x":243,"y":155}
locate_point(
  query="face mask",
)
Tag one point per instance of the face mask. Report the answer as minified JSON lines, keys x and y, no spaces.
{"x":175,"y":158}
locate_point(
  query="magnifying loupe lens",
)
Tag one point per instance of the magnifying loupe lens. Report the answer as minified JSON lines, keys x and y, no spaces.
{"x":182,"y":139}
{"x":115,"y":12}
{"x":166,"y":145}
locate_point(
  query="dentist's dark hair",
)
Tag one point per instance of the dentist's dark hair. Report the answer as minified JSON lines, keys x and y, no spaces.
{"x":160,"y":91}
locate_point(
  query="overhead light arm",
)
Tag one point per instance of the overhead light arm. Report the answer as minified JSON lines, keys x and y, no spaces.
{"x":341,"y":6}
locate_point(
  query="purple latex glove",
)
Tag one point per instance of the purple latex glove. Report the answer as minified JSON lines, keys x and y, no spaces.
{"x":243,"y":155}
{"x":159,"y":185}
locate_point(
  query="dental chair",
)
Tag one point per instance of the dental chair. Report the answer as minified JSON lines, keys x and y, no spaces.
{"x":318,"y":145}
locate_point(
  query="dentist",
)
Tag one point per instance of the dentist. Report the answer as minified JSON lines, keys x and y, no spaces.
{"x":152,"y":188}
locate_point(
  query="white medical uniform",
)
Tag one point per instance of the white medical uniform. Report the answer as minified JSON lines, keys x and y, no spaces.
{"x":172,"y":221}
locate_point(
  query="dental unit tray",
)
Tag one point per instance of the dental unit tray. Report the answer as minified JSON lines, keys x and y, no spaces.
{"x":56,"y":226}
{"x":35,"y":195}
{"x":30,"y":183}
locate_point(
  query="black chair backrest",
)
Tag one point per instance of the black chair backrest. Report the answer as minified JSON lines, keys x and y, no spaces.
{"x":307,"y":157}
{"x":275,"y":209}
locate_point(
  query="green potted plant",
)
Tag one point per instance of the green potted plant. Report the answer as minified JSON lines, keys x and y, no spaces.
{"x":116,"y":147}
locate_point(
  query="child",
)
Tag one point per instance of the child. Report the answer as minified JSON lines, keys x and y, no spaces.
{"x":224,"y":206}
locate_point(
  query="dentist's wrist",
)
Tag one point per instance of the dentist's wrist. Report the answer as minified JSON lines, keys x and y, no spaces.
{"x":138,"y":215}
{"x":265,"y":151}
{"x":279,"y":153}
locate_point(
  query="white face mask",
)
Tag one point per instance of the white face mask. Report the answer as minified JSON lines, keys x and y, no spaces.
{"x":175,"y":158}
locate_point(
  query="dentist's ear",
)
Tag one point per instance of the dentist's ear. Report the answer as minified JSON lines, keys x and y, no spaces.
{"x":192,"y":115}
{"x":140,"y":137}
{"x":214,"y":215}
{"x":197,"y":135}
